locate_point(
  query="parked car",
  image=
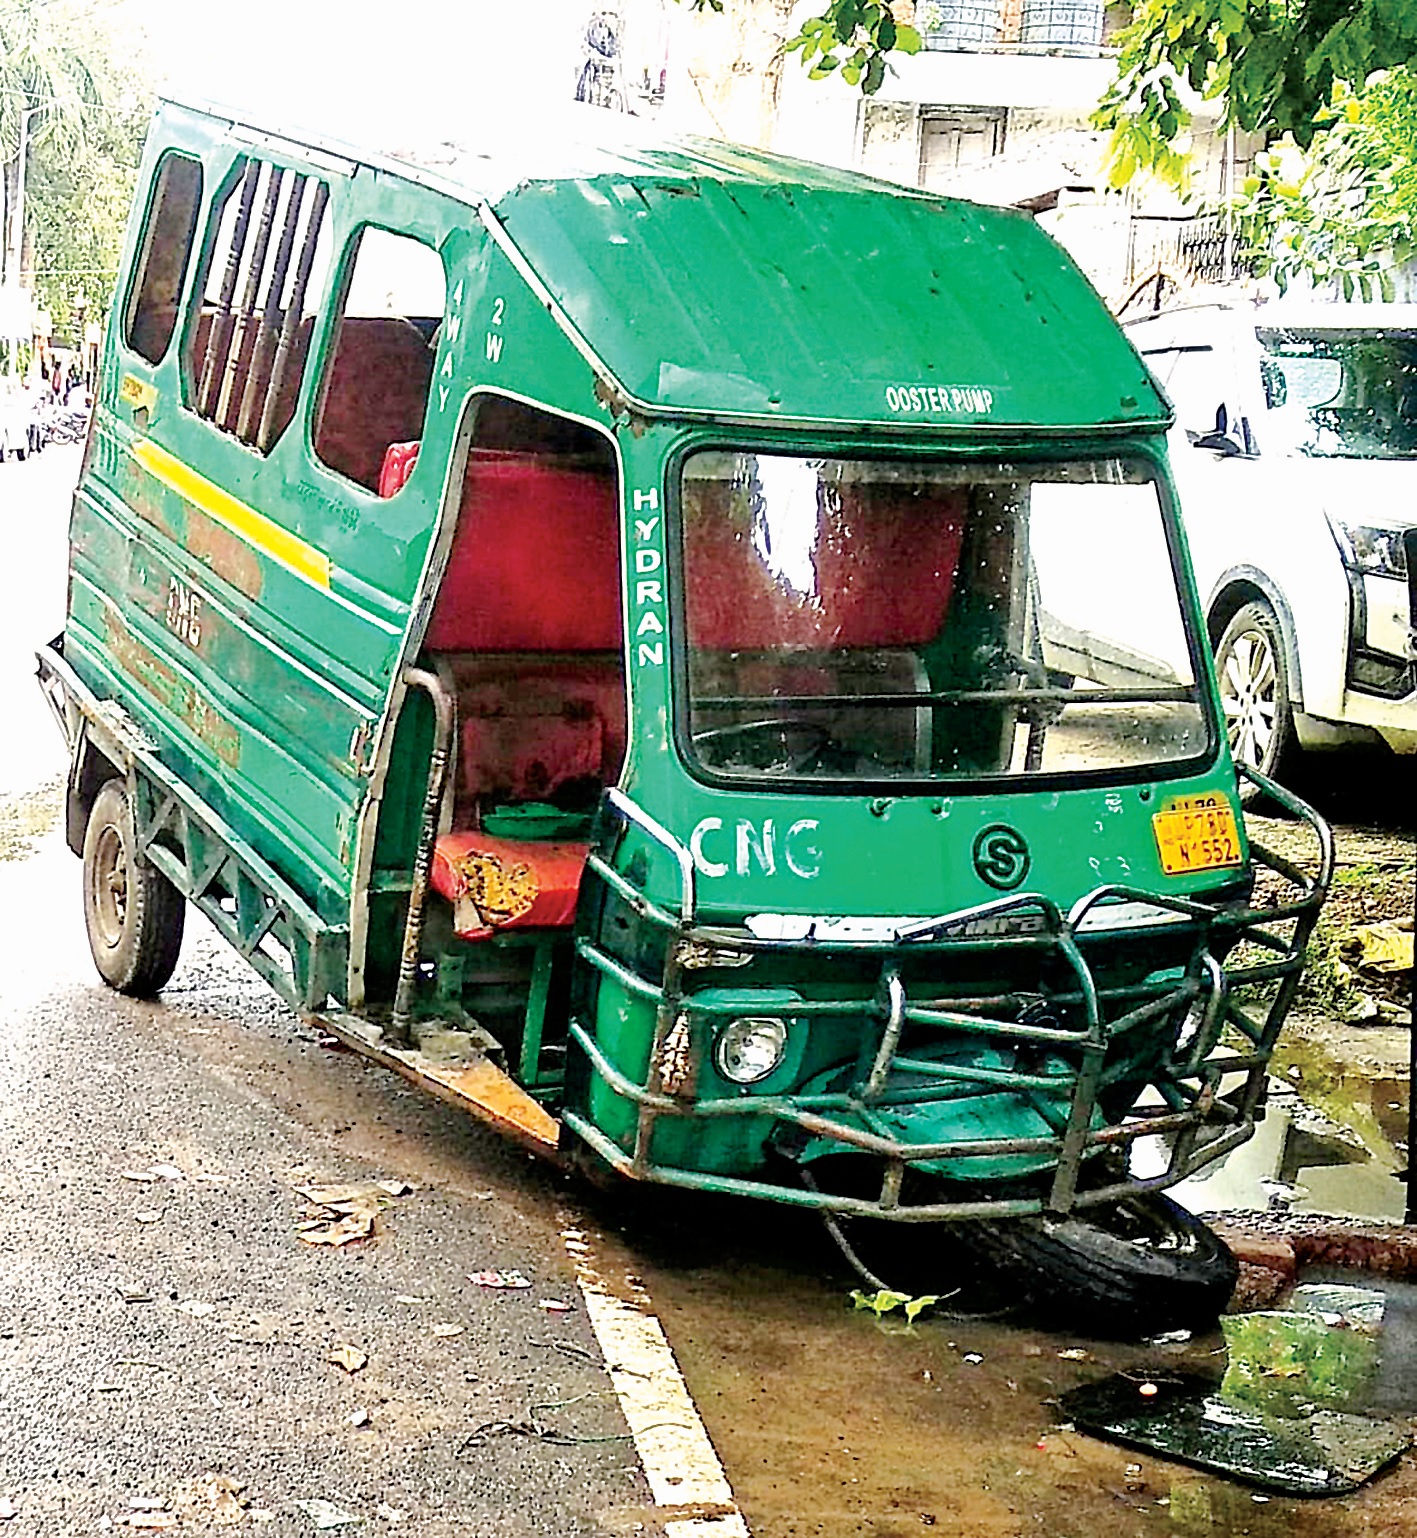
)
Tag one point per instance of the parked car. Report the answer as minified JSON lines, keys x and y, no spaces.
{"x":1295,"y":457}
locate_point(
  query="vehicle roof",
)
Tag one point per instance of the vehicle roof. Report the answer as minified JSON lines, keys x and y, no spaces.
{"x":709,"y":278}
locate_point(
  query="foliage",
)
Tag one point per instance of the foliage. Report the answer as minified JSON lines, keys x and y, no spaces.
{"x":853,"y":36}
{"x":61,"y":68}
{"x":1274,"y":65}
{"x":883,"y":1302}
{"x":1344,"y":213}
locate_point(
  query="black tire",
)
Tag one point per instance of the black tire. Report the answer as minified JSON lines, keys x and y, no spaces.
{"x":132,"y":912}
{"x":1130,"y":1269}
{"x":1255,"y":693}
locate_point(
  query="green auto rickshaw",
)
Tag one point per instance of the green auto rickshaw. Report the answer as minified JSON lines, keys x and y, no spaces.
{"x":690,"y":655}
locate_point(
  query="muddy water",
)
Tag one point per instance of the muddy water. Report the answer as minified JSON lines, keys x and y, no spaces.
{"x":1333,"y":1141}
{"x":831,"y":1423}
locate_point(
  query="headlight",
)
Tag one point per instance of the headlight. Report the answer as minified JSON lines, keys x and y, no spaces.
{"x":1374,"y":551}
{"x":750,"y":1048}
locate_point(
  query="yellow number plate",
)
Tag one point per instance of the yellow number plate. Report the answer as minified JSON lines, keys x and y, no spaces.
{"x":1197,"y":838}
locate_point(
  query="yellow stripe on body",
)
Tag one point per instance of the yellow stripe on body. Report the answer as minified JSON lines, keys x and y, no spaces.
{"x":280,"y":544}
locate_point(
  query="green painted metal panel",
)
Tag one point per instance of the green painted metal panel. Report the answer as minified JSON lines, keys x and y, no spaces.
{"x":784,"y":298}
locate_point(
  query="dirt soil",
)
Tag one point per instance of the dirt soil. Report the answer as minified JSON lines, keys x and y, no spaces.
{"x":1373,"y":883}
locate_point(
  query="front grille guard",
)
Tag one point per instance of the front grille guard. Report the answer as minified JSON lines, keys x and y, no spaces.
{"x":1201,"y":1118}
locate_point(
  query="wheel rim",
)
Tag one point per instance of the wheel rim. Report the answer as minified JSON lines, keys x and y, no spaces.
{"x":110,"y":886}
{"x":1249,"y":692}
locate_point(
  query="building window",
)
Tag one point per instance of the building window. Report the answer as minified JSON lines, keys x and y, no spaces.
{"x":252,"y":336}
{"x":151,"y":315}
{"x":957,"y":141}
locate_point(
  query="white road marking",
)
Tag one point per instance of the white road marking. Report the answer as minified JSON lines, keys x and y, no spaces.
{"x":679,"y":1460}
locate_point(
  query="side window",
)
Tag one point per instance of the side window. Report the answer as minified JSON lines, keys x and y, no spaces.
{"x":266,"y":268}
{"x":151,"y":315}
{"x":381,"y":362}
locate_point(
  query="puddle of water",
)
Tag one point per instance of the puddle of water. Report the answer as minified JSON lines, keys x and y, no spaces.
{"x":1394,"y":1387}
{"x":1334,"y":1146}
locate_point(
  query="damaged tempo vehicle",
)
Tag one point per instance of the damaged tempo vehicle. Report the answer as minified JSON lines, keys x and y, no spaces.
{"x":745,"y":750}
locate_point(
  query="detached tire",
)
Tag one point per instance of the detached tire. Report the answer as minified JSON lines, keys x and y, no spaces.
{"x":1133,"y":1268}
{"x":133,"y":913}
{"x":1255,"y":693}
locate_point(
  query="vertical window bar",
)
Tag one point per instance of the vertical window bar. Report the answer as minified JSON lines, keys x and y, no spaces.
{"x":257,"y":390}
{"x":219,"y":334}
{"x":240,"y":354}
{"x":294,"y":315}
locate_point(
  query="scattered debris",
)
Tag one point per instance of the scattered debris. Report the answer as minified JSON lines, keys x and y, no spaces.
{"x":216,"y":1498}
{"x":325,"y":1514}
{"x":973,"y":1358}
{"x":390,"y":1514}
{"x":1381,"y":947}
{"x":347,"y":1212}
{"x":351,"y":1358}
{"x":147,"y":1215}
{"x":149,"y":1513}
{"x":153,"y":1174}
{"x":1075,"y":1354}
{"x":8,"y":1509}
{"x":554,"y":1305}
{"x":499,"y":1279}
{"x":196,"y":1308}
{"x":135,"y":1294}
{"x":408,"y":1297}
{"x":1169,"y":1338}
{"x":359,"y":1418}
{"x":446,"y":1331}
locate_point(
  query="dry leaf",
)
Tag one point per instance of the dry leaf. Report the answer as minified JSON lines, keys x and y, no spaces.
{"x":336,"y":1234}
{"x":351,"y":1358}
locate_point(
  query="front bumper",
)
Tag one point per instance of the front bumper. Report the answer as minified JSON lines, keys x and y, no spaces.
{"x":1205,"y":1085}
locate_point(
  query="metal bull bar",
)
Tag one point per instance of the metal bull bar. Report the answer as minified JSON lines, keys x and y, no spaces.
{"x":1201,"y":1115}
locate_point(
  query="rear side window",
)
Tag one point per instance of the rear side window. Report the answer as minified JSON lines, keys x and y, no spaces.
{"x":151,"y":315}
{"x":376,"y":386}
{"x":267,"y":266}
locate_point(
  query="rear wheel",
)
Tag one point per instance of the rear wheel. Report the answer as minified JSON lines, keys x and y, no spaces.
{"x":133,"y":913}
{"x":1131,"y":1268}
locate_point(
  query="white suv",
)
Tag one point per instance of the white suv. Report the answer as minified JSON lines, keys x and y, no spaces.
{"x":1295,"y":456}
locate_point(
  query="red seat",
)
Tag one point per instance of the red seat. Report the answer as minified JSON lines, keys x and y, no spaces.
{"x":504,"y":883}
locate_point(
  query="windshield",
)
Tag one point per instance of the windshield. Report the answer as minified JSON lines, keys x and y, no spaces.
{"x":877,"y":620}
{"x":1342,"y":395}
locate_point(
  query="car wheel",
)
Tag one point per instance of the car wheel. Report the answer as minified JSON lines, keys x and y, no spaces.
{"x":1134,"y":1267}
{"x":1254,"y":692}
{"x":133,"y":913}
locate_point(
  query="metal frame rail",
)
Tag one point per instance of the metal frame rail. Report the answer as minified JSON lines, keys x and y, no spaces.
{"x":1202,"y":1110}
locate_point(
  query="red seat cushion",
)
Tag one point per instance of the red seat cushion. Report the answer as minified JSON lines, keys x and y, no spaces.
{"x":505,"y":883}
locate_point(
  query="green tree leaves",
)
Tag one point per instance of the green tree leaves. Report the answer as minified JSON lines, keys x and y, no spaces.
{"x":64,"y":76}
{"x":1272,"y":66}
{"x":853,"y":36}
{"x":1344,"y":212}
